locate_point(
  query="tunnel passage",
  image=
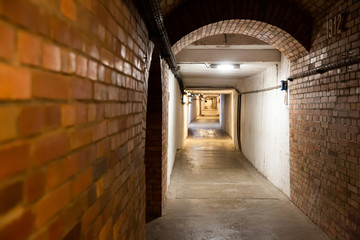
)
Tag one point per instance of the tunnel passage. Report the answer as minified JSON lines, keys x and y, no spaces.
{"x":215,"y":193}
{"x":73,"y":101}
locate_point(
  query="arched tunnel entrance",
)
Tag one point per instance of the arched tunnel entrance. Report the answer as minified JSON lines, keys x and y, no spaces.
{"x":206,"y":174}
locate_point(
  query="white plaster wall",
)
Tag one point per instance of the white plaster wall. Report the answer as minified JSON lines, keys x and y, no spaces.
{"x":176,"y":123}
{"x":202,"y":107}
{"x":265,"y":125}
{"x":193,"y":108}
{"x":228,"y":115}
{"x":185,"y":121}
{"x":198,"y":106}
{"x":225,"y":114}
{"x":234,"y":98}
{"x":208,"y":104}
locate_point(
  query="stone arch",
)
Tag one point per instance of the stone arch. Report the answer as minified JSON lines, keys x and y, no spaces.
{"x":268,"y":33}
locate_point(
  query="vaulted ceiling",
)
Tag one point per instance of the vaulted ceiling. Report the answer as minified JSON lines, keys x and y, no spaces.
{"x":313,"y":7}
{"x":284,"y":24}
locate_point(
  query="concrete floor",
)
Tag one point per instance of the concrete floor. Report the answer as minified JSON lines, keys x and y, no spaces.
{"x":216,"y":194}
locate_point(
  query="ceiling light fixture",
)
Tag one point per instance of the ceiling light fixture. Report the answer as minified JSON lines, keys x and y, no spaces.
{"x":225,"y":66}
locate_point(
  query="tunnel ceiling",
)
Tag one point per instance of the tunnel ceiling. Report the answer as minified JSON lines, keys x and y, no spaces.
{"x":196,"y":61}
{"x":183,"y":17}
{"x":285,"y":24}
{"x":313,"y":7}
{"x":294,"y":17}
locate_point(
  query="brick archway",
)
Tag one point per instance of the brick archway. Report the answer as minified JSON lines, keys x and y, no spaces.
{"x":268,"y":33}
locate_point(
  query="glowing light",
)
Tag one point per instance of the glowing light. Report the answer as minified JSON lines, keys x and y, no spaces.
{"x":225,"y":67}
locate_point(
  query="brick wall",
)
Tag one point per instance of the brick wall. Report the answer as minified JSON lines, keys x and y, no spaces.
{"x":290,"y":16}
{"x":275,"y":36}
{"x":154,"y":142}
{"x":71,"y":113}
{"x":324,"y":129}
{"x":156,"y":153}
{"x":165,"y":71}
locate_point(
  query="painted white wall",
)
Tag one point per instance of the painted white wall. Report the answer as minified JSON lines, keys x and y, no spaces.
{"x":193,"y":108}
{"x":225,"y":114}
{"x":228,"y":115}
{"x":185,"y":122}
{"x":202,"y":106}
{"x":177,"y":122}
{"x":208,"y":103}
{"x":265,"y":125}
{"x":198,"y":107}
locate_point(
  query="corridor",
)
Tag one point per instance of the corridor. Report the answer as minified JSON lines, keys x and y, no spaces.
{"x":215,"y":193}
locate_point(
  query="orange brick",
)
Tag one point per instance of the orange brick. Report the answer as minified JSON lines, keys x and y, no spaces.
{"x":80,"y":137}
{"x":50,"y":85}
{"x":52,"y":204}
{"x":75,"y":232}
{"x":99,"y":131}
{"x":105,"y":231}
{"x":82,"y":88}
{"x":84,"y":157}
{"x":92,"y":70}
{"x":7,"y":40}
{"x":50,"y":147}
{"x":81,"y":112}
{"x":90,"y":216}
{"x":100,"y":92}
{"x":29,"y":48}
{"x":119,"y":64}
{"x":11,"y":195}
{"x":82,"y":181}
{"x":106,"y":57}
{"x":68,"y":61}
{"x":113,"y":93}
{"x":68,"y":8}
{"x":91,"y":112}
{"x":101,"y":147}
{"x":8,"y":122}
{"x":14,"y":158}
{"x":35,"y":185}
{"x":31,"y":17}
{"x":68,"y":115}
{"x":20,"y":228}
{"x":54,"y":174}
{"x":43,"y":235}
{"x":81,"y":66}
{"x":35,"y":119}
{"x":70,"y":166}
{"x":51,"y":57}
{"x":15,"y":83}
{"x":56,"y":228}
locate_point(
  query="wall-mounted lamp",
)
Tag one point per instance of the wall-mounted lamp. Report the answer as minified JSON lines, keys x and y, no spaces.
{"x":284,"y":85}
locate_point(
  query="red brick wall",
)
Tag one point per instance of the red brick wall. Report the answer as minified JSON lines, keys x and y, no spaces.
{"x":154,"y":141}
{"x":275,"y":36}
{"x":156,"y":148}
{"x":71,"y":113}
{"x":165,"y":71}
{"x":324,"y":130}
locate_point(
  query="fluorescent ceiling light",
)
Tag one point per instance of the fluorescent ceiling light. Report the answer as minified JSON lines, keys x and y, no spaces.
{"x":225,"y":66}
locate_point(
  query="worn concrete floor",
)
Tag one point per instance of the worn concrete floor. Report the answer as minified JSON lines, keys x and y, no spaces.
{"x":216,"y":194}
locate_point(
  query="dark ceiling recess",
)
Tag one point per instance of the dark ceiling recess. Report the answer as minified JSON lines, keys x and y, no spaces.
{"x":151,"y":13}
{"x":286,"y":15}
